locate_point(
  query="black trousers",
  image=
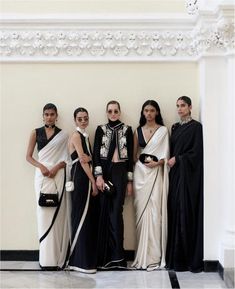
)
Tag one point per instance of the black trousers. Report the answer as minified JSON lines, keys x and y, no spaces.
{"x":110,"y":231}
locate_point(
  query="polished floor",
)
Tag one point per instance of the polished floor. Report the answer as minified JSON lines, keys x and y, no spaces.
{"x":28,"y":275}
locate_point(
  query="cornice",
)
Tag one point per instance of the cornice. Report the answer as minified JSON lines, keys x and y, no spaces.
{"x":75,"y":38}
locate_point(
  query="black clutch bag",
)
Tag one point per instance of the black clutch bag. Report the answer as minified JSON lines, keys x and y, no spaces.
{"x":146,"y":158}
{"x":109,"y":189}
{"x":48,"y":200}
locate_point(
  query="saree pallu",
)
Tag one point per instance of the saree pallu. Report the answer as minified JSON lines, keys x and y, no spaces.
{"x":53,"y":224}
{"x":151,"y":188}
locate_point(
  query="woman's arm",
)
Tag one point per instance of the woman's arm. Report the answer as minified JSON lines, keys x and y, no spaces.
{"x":135,"y":146}
{"x":96,"y":159}
{"x":29,"y":155}
{"x":76,"y":141}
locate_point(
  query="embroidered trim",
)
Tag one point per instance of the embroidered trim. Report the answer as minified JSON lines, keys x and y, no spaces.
{"x":98,"y":171}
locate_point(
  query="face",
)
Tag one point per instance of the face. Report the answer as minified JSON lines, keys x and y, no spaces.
{"x":150,"y":112}
{"x":49,"y":116}
{"x":183,"y":108}
{"x":82,"y":119}
{"x":113,"y":112}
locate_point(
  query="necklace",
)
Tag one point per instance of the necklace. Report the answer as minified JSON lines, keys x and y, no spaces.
{"x":49,"y":126}
{"x":185,"y":120}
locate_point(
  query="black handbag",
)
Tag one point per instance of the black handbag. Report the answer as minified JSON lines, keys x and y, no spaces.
{"x":48,"y":200}
{"x":145,"y":158}
{"x":109,"y":189}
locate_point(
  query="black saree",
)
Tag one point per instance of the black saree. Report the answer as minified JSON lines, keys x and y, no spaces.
{"x":185,"y":199}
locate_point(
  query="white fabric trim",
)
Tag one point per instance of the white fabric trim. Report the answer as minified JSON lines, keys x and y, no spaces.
{"x":90,"y":271}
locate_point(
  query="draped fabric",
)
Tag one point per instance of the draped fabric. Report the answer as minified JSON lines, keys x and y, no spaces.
{"x":83,"y":217}
{"x":185,"y":201}
{"x":151,"y":188}
{"x":52,"y":222}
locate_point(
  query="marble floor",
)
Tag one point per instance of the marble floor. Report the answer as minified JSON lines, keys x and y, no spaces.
{"x":28,"y":275}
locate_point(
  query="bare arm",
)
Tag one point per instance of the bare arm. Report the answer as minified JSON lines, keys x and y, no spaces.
{"x":135,"y":147}
{"x":31,"y":159}
{"x":76,"y":142}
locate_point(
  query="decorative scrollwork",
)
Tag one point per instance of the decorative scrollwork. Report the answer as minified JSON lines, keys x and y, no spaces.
{"x":112,"y":43}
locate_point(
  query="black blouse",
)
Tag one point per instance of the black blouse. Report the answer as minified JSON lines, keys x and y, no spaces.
{"x":41,"y":137}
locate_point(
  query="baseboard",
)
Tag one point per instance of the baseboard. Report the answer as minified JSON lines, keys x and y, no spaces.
{"x":32,"y":255}
{"x":19,"y":255}
{"x":214,"y":266}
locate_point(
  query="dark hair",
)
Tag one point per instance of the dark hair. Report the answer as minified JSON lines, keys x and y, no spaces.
{"x":186,"y":99}
{"x":79,"y":109}
{"x":113,"y":102}
{"x":158,"y":117}
{"x":50,"y":106}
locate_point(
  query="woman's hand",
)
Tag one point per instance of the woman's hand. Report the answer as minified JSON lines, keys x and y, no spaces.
{"x":171,"y":162}
{"x":129,"y":189}
{"x":53,"y":172}
{"x":44,"y":170}
{"x":94,"y":189}
{"x":100,"y":183}
{"x":151,"y":164}
{"x":84,"y":158}
{"x":55,"y":169}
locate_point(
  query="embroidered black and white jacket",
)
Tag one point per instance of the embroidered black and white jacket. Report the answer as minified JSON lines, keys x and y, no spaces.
{"x":108,"y":138}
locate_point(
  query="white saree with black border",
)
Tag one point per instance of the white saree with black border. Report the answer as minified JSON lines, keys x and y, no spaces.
{"x":150,"y":202}
{"x":53,"y":226}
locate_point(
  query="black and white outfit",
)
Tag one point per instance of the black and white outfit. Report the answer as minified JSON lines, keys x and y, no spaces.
{"x":185,"y":199}
{"x":53,"y":228}
{"x":111,"y":138}
{"x":150,"y":201}
{"x":83,"y":216}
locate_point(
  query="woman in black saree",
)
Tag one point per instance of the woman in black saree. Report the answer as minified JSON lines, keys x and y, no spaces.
{"x":83,"y":215}
{"x":185,"y":198}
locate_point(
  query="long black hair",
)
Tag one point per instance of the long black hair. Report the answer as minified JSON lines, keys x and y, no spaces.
{"x":77,"y":110}
{"x":158,"y":118}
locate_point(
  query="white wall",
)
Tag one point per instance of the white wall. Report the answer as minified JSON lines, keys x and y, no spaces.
{"x":25,"y":90}
{"x":27,"y":86}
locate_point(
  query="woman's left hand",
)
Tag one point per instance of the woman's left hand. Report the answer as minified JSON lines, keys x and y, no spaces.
{"x":151,"y":164}
{"x":55,"y":169}
{"x":53,"y":172}
{"x":85,"y":158}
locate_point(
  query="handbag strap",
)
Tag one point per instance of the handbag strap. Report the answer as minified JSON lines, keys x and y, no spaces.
{"x":51,"y":179}
{"x":74,"y":172}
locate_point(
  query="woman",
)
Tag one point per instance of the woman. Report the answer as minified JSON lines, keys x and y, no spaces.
{"x":113,"y":161}
{"x":83,"y":243}
{"x":50,"y":178}
{"x":185,"y":200}
{"x":151,"y":151}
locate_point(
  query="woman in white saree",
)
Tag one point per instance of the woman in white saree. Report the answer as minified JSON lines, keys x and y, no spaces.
{"x":50,"y":178}
{"x":151,"y":152}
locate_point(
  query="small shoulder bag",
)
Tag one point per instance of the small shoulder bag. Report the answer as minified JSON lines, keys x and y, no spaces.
{"x":69,"y":186}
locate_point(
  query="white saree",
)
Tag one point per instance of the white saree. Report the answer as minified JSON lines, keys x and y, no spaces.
{"x":53,"y":224}
{"x":151,"y":189}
